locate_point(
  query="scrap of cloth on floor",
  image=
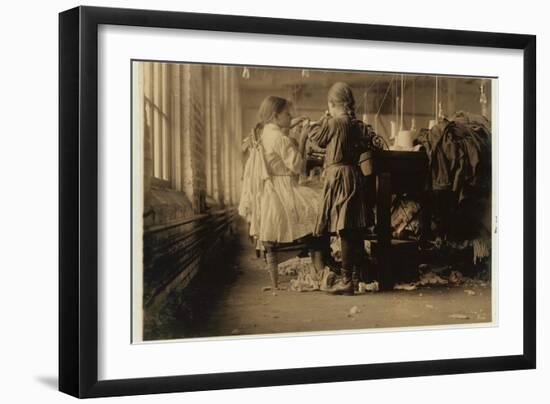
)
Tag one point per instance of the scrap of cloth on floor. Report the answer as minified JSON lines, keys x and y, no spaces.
{"x":304,"y":276}
{"x":459,"y":154}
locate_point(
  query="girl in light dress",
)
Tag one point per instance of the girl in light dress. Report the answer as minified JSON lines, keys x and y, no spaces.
{"x":277,"y":208}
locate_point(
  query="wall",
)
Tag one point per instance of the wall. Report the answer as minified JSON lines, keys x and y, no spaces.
{"x":29,"y":180}
{"x":454,"y":94}
{"x":191,"y":173}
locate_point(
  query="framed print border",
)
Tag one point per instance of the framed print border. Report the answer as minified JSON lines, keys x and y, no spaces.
{"x":78,"y":200}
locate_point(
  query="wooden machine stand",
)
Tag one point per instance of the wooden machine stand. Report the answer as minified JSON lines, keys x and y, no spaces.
{"x":397,"y":172}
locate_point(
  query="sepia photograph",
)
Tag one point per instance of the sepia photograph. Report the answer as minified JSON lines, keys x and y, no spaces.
{"x":269,"y":201}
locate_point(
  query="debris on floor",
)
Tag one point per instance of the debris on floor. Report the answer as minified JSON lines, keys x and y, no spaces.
{"x":435,"y":277}
{"x":405,"y":286}
{"x":430,"y":278}
{"x":354,"y":310}
{"x":294,"y":266}
{"x":307,"y":279}
{"x":368,"y":287}
{"x":456,"y":277}
{"x":475,"y":283}
{"x":328,"y":279}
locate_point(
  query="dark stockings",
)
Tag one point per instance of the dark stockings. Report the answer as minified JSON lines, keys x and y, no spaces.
{"x":352,"y":250}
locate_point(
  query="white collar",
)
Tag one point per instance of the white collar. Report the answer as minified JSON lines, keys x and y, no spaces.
{"x":273,"y":125}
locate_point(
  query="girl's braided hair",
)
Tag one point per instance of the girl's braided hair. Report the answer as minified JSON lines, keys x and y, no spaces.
{"x":340,"y":94}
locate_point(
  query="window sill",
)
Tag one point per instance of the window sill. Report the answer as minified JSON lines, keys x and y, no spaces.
{"x":160,"y":183}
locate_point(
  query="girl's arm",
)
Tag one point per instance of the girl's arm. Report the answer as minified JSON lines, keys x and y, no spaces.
{"x":321,"y":132}
{"x":291,"y":156}
{"x":303,"y":141}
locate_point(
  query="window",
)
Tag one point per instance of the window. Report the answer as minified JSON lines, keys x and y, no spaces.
{"x":157,"y":118}
{"x":192,"y":132}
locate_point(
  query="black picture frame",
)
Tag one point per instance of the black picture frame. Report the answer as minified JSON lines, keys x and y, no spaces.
{"x":78,"y":200}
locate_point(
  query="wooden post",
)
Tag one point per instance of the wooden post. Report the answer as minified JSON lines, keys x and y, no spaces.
{"x":451,"y":96}
{"x":383,"y":229}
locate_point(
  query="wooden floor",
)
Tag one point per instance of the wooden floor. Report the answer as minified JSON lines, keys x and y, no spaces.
{"x":244,"y":309}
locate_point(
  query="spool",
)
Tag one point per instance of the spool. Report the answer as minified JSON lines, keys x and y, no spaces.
{"x":431,"y":124}
{"x":405,"y":139}
{"x":393,"y":129}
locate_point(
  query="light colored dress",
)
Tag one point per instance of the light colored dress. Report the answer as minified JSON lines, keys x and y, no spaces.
{"x":285,"y":211}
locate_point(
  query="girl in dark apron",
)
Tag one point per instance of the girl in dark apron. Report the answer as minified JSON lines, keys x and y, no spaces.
{"x":344,"y":208}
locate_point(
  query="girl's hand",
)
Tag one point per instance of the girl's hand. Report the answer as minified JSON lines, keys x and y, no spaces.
{"x":297,"y":120}
{"x":325,"y":116}
{"x":294,"y":141}
{"x":302,"y":141}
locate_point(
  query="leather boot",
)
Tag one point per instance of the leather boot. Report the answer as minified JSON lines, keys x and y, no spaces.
{"x":344,"y":286}
{"x":355,"y":280}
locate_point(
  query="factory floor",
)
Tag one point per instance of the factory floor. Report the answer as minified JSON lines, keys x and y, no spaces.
{"x":243,"y":308}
